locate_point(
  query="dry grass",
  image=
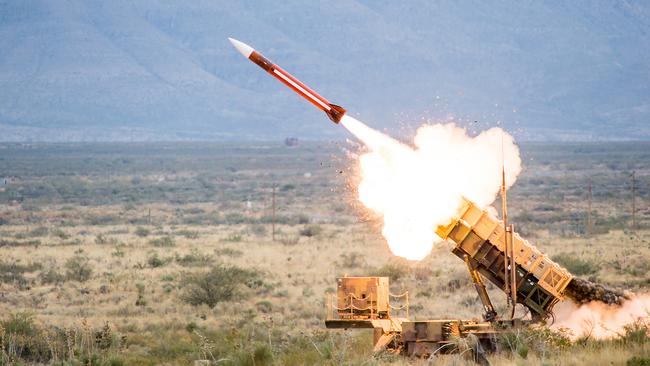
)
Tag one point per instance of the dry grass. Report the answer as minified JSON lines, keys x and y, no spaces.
{"x":319,"y":238}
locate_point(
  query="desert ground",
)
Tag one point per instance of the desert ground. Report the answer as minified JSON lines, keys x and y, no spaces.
{"x":227,"y":254}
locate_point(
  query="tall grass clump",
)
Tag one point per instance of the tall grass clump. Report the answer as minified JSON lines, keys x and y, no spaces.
{"x":78,"y":269}
{"x":221,"y":283}
{"x":163,"y":242}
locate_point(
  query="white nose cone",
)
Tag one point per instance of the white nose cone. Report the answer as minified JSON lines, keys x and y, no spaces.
{"x":242,"y":47}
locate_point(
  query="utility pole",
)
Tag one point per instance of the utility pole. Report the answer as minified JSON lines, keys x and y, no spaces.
{"x":273,"y":213}
{"x":633,"y":200}
{"x":589,"y":198}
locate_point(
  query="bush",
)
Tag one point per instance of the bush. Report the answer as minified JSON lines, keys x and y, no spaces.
{"x":233,"y":238}
{"x":51,"y":276}
{"x":638,"y":361}
{"x":24,"y":342}
{"x":258,"y":230}
{"x":391,"y":270}
{"x":14,"y":272}
{"x":229,"y":252}
{"x":162,"y":242}
{"x":20,"y":323}
{"x":575,"y":265}
{"x":140,"y":301}
{"x":351,"y":260}
{"x":78,"y":269}
{"x":194,"y":258}
{"x":287,"y":187}
{"x":311,"y":230}
{"x":262,"y":355}
{"x":142,"y":232}
{"x":61,"y":234}
{"x":302,"y":219}
{"x":189,"y":234}
{"x":118,"y":252}
{"x":102,"y":239}
{"x":636,"y":333}
{"x":288,"y":239}
{"x":221,"y":283}
{"x":24,"y":339}
{"x":264,"y":306}
{"x":39,"y":231}
{"x":154,"y":261}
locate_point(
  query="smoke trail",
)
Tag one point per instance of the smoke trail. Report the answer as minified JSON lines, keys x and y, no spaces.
{"x":583,"y":291}
{"x":418,"y":188}
{"x":599,"y":320}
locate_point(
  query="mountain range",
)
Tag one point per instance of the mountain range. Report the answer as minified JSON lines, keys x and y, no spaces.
{"x":164,"y":70}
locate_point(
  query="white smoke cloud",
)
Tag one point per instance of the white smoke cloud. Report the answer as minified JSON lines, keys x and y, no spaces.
{"x":599,"y":320}
{"x":417,"y":189}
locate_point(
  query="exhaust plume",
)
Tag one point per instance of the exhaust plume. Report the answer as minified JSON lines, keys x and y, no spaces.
{"x":599,"y":320}
{"x":418,"y":188}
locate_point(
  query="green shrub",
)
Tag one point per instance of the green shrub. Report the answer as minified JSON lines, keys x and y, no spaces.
{"x":394,"y":271}
{"x":39,"y":231}
{"x":78,"y":269}
{"x":24,"y":339}
{"x":142,"y":232}
{"x":638,"y":361}
{"x":61,"y":234}
{"x":351,"y":260}
{"x":264,"y":306}
{"x":258,"y":230}
{"x":189,"y":234}
{"x":233,"y":238}
{"x":288,"y":240}
{"x":191,"y":327}
{"x":221,"y":283}
{"x":119,"y":251}
{"x":21,"y":323}
{"x":311,"y":230}
{"x":101,"y":239}
{"x":636,"y":333}
{"x":262,"y":355}
{"x":14,"y":272}
{"x":287,"y":187}
{"x":194,"y":259}
{"x":154,"y":261}
{"x":51,"y":276}
{"x":163,"y":242}
{"x":229,"y":252}
{"x":113,"y":361}
{"x":140,"y":301}
{"x":302,"y":219}
{"x":575,"y":265}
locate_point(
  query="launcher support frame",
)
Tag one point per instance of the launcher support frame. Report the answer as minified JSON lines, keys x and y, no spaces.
{"x":489,"y":314}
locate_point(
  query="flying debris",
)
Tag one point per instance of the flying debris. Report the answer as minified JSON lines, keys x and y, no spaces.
{"x":333,"y":111}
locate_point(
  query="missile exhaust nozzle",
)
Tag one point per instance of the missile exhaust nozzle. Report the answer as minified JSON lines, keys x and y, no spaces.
{"x":336,"y":113}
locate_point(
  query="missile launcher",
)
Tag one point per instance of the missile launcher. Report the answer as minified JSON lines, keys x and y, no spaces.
{"x":481,"y":241}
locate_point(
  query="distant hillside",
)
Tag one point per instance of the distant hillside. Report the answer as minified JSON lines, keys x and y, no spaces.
{"x":164,"y":70}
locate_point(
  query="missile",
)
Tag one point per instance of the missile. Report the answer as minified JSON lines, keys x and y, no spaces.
{"x":333,"y":111}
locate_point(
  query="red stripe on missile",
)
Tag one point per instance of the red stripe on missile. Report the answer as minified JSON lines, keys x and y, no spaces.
{"x":333,"y":111}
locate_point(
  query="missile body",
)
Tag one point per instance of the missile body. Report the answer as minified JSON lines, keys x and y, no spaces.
{"x":333,"y":111}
